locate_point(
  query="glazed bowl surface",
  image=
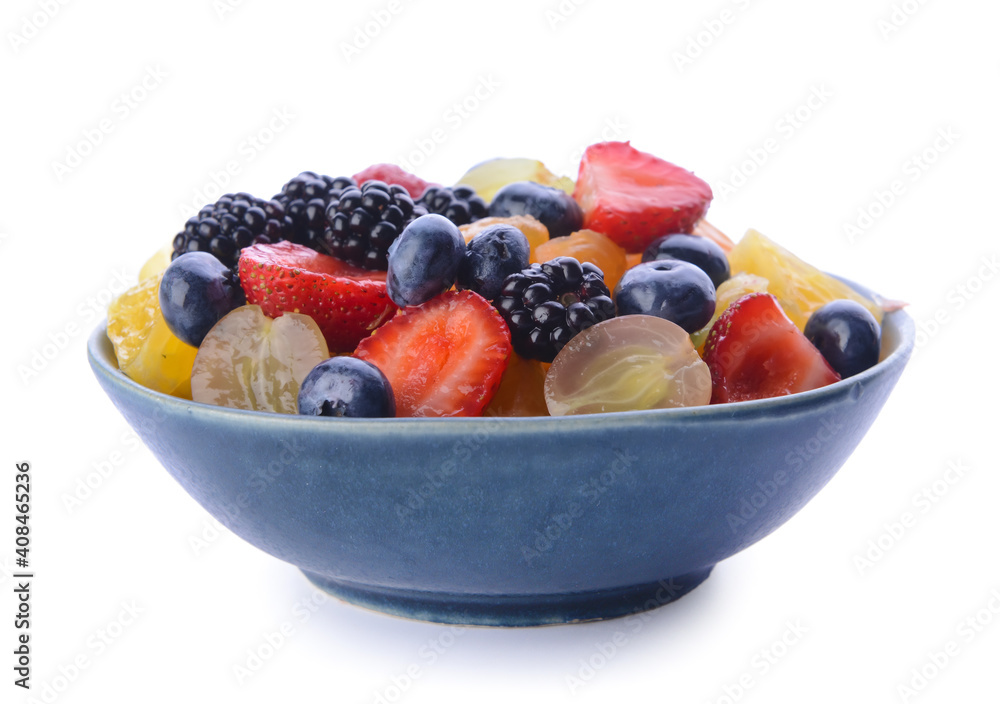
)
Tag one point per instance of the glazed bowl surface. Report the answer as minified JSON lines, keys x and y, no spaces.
{"x":510,"y":521}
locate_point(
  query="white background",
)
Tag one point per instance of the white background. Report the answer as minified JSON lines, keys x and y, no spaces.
{"x":883,"y":94}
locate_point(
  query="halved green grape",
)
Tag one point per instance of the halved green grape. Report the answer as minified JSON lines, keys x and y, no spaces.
{"x":250,"y":361}
{"x":630,"y":363}
{"x":490,"y":176}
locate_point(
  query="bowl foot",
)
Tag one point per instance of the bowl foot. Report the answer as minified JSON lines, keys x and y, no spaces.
{"x":509,"y":611}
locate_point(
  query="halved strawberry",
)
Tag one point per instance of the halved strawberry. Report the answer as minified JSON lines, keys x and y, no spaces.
{"x":634,"y":197}
{"x":755,"y":351}
{"x":346,"y":302}
{"x":390,"y":173}
{"x":442,"y":358}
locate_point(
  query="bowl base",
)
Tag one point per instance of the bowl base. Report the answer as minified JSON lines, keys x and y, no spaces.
{"x":513,"y":611}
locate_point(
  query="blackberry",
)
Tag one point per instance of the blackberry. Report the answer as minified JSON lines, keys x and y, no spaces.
{"x":461,"y":205}
{"x":546,"y":305}
{"x":305,"y":199}
{"x":363,"y":222}
{"x":231,"y":223}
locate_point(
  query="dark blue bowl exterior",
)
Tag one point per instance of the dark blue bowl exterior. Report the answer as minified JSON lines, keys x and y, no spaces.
{"x":494,"y":509}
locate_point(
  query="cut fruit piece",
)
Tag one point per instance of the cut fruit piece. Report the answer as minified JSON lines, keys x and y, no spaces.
{"x":703,"y":228}
{"x":490,"y":176}
{"x":347,"y":302}
{"x":390,"y":174}
{"x":130,"y":316}
{"x":157,"y":263}
{"x":587,"y":246}
{"x":147,"y":352}
{"x":531,"y":228}
{"x":729,"y":292}
{"x":443,"y":358}
{"x":799,"y":287}
{"x":634,"y":197}
{"x":252,"y":362}
{"x":754,"y":351}
{"x":545,"y":305}
{"x":632,"y":363}
{"x":521,"y":391}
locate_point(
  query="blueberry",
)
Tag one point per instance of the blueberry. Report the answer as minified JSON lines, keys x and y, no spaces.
{"x":195,"y":292}
{"x":672,"y":289}
{"x":424,"y":260}
{"x":493,"y":255}
{"x":346,"y":387}
{"x":554,"y":208}
{"x":700,"y":251}
{"x":847,"y":335}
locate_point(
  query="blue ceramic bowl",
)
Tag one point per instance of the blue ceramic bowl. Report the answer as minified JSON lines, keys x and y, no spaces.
{"x":512,"y":521}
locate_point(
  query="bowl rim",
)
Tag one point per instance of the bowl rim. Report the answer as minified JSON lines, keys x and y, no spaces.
{"x":101,"y":355}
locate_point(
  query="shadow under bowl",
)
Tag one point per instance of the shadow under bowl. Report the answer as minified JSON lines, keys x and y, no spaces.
{"x":510,"y":521}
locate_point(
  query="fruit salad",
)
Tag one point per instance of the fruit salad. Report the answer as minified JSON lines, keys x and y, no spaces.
{"x":515,"y":292}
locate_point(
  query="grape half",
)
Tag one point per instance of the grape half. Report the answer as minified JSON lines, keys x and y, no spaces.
{"x":630,"y":363}
{"x":252,"y":362}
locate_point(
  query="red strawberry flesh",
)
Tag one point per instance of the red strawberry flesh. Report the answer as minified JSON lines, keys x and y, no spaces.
{"x":347,"y":302}
{"x":754,"y":351}
{"x":390,"y":173}
{"x":443,"y":358}
{"x":634,"y":197}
